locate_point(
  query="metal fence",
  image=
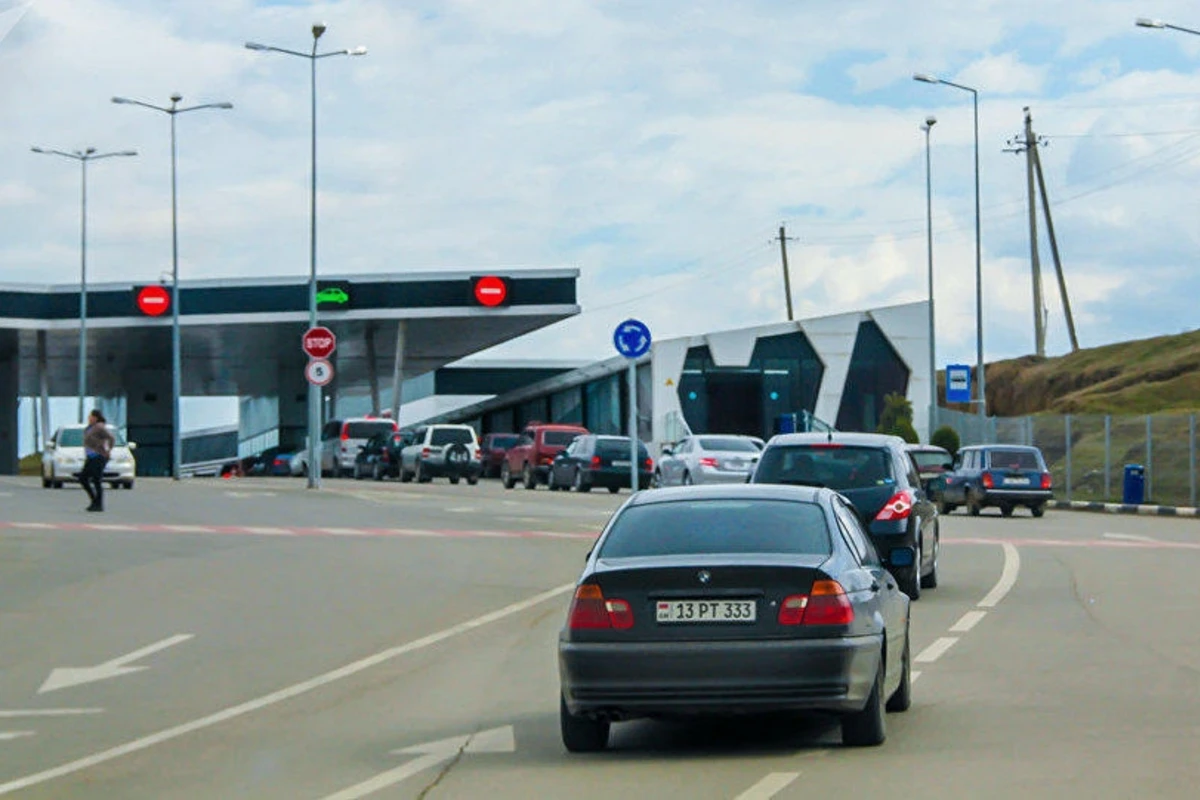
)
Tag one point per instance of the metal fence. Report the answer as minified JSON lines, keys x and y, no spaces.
{"x":1087,"y":453}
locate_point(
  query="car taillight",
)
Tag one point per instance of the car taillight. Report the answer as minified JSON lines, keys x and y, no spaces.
{"x":708,"y":461}
{"x":425,"y":452}
{"x":590,"y":611}
{"x":899,"y":507}
{"x":345,"y":432}
{"x":987,"y":480}
{"x":595,"y":462}
{"x":825,"y":604}
{"x":649,"y":464}
{"x":279,"y":462}
{"x":1046,"y":481}
{"x":546,"y":460}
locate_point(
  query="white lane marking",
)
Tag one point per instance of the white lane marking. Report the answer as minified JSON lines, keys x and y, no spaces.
{"x":295,"y":690}
{"x":935,"y":650}
{"x":912,"y":678}
{"x":969,"y":620}
{"x":190,"y":528}
{"x":10,"y":735}
{"x":344,"y":531}
{"x":769,"y":786}
{"x":1129,"y":537}
{"x":463,"y":509}
{"x":1008,"y":578}
{"x":105,"y":526}
{"x":64,"y":677}
{"x":11,"y":713}
{"x":270,"y":531}
{"x":35,"y":526}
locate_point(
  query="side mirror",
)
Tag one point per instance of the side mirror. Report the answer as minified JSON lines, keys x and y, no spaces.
{"x":49,"y":447}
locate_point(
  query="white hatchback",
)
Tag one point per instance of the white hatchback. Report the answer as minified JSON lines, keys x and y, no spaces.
{"x":63,"y":458}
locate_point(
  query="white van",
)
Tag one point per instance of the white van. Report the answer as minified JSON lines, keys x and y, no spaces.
{"x":342,"y":438}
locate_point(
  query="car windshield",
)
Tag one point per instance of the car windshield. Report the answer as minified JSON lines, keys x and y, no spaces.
{"x":728,"y":444}
{"x":1013,"y":459}
{"x":365,"y":430}
{"x":73,"y":437}
{"x":556,"y":438}
{"x":927,"y":459}
{"x":503,"y":442}
{"x":718,"y":527}
{"x":618,"y":447}
{"x":836,"y":466}
{"x":452,"y":436}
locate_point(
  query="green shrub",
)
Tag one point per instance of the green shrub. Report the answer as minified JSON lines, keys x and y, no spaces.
{"x":946,"y":438}
{"x":905,"y":430}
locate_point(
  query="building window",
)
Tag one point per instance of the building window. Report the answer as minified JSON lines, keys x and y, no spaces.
{"x":567,"y":406}
{"x":876,"y":370}
{"x":603,"y":404}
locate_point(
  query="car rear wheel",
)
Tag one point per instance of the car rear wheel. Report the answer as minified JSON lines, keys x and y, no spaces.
{"x":528,"y":477}
{"x":1006,"y":510}
{"x":128,"y":485}
{"x":422,"y":477}
{"x":910,"y":584}
{"x":930,"y":581}
{"x":506,"y":476}
{"x":581,"y":734}
{"x":405,"y":475}
{"x":1037,"y":510}
{"x":946,"y":508}
{"x":472,"y":480}
{"x":868,"y":727}
{"x":578,"y":483}
{"x":614,"y":489}
{"x":901,"y":699}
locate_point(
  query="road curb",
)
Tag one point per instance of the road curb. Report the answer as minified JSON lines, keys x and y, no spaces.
{"x":1124,"y":508}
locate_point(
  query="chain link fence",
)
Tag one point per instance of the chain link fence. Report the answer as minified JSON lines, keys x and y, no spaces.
{"x":1087,"y":453}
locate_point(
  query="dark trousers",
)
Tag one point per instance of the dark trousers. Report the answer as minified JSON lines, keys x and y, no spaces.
{"x":92,"y":479}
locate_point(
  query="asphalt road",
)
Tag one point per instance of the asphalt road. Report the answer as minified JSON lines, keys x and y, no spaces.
{"x":253,"y":639}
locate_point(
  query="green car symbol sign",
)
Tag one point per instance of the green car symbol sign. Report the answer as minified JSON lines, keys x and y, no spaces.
{"x":333,"y":295}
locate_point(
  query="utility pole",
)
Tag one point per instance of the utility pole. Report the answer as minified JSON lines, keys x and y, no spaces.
{"x":1062,"y":279}
{"x":1028,"y":145}
{"x":787,"y":279}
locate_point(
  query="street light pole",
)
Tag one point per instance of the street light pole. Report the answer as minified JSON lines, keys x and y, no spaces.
{"x":980,"y":376}
{"x":314,"y":391}
{"x":930,"y":121}
{"x":83,"y":157}
{"x":1143,"y":22}
{"x":176,"y":339}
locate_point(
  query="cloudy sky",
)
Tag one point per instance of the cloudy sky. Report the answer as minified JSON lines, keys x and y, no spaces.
{"x":657,"y":146}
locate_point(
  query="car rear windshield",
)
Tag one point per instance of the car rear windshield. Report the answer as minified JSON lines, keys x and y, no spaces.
{"x":615,"y":447}
{"x":452,"y":436}
{"x":1013,"y":459}
{"x":73,"y":437}
{"x":718,"y":527}
{"x":365,"y":430}
{"x":556,"y":438}
{"x":728,"y":443}
{"x":503,"y":442}
{"x":927,"y":458}
{"x":836,"y":466}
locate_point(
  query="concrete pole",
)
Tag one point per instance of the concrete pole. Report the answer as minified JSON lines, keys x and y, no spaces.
{"x":398,"y":369}
{"x":1039,"y":326}
{"x":633,"y":426}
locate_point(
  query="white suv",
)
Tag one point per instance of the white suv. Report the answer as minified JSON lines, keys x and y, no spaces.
{"x":442,"y":450}
{"x":63,"y":459}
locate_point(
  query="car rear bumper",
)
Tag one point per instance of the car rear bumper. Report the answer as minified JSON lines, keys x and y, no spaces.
{"x":441,"y":469}
{"x":708,"y":475}
{"x":664,"y":678}
{"x":1020,"y":496}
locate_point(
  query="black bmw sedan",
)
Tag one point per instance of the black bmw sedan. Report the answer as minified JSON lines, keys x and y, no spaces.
{"x":732,"y":599}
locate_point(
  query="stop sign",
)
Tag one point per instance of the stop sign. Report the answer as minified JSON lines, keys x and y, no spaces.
{"x":319,"y":342}
{"x":153,"y":301}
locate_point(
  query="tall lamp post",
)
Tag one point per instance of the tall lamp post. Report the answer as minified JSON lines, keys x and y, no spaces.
{"x":83,"y":157}
{"x":1143,"y":22}
{"x":314,"y":392}
{"x":176,"y":347}
{"x":930,"y":121}
{"x":981,"y":378}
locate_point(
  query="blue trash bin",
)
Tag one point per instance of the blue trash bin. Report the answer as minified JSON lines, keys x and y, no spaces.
{"x":1135,"y":485}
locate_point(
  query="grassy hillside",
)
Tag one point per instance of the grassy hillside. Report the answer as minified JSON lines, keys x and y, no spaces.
{"x":1148,"y":376}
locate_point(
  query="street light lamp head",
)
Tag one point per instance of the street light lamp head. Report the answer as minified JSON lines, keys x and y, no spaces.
{"x":127,"y":153}
{"x":1146,"y":22}
{"x":37,"y":149}
{"x":256,"y":46}
{"x":89,"y":151}
{"x":925,"y":77}
{"x":318,"y":29}
{"x":930,"y":121}
{"x":121,"y":100}
{"x":176,"y":97}
{"x":225,"y":105}
{"x":361,"y":50}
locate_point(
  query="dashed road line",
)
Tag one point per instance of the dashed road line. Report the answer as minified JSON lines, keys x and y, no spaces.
{"x":7,"y":736}
{"x":1129,"y":537}
{"x":936,"y":650}
{"x":13,"y":713}
{"x":967,"y":621}
{"x":768,"y":787}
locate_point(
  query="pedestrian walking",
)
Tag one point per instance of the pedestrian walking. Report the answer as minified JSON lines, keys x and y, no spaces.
{"x":97,"y":447}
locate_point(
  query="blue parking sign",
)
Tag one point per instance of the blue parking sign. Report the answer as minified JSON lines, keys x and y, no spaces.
{"x":958,"y":383}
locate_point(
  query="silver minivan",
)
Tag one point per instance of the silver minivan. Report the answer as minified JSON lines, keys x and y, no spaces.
{"x":341,"y":440}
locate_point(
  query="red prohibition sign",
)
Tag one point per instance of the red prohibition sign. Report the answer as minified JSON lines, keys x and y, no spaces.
{"x":491,"y":291}
{"x":153,"y":301}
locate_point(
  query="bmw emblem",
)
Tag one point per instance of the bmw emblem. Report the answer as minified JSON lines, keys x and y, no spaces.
{"x":704,"y":576}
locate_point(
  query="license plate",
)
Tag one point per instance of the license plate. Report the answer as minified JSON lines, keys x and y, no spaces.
{"x":670,"y":611}
{"x":620,"y":463}
{"x":1016,"y":481}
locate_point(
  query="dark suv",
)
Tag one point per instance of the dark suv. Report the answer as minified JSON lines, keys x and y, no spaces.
{"x":1000,"y":475}
{"x":877,"y":476}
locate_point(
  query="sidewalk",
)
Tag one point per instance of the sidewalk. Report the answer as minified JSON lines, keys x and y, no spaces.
{"x":1122,"y":508}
